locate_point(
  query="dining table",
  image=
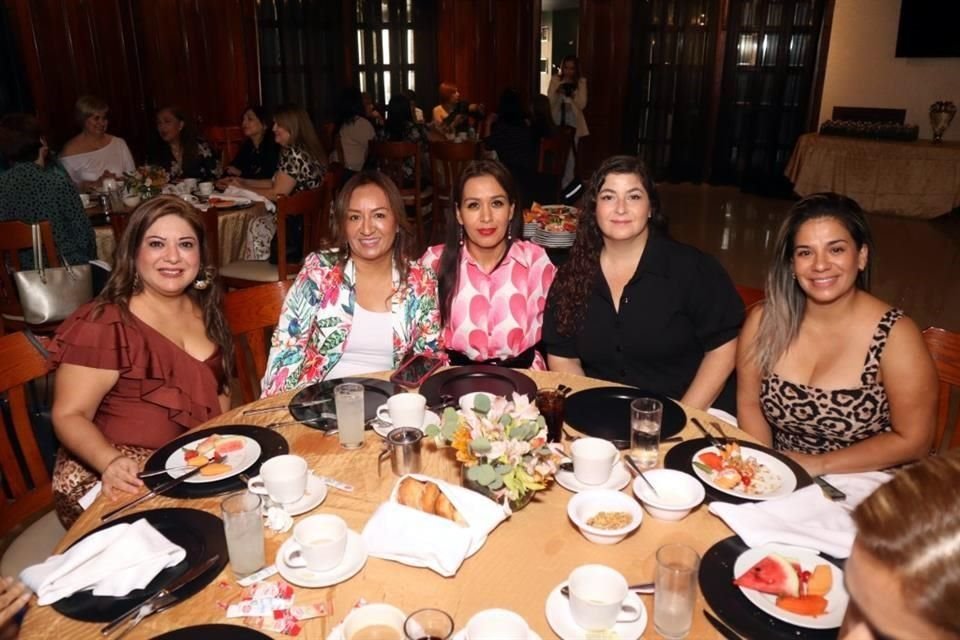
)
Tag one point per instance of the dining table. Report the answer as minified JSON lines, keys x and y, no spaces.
{"x":522,"y":561}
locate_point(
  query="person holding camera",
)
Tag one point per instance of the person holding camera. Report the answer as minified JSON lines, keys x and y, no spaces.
{"x":568,"y":99}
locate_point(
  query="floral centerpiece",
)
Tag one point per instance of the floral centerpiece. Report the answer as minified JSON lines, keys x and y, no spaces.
{"x":941,"y":115}
{"x":147,"y":180}
{"x":502,"y":445}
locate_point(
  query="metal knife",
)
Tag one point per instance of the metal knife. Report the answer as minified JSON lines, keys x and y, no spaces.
{"x":724,"y":630}
{"x":166,"y":486}
{"x":830,"y":491}
{"x":709,"y":436}
{"x":161,"y":598}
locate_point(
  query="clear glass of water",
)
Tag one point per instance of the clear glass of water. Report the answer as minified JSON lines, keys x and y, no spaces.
{"x":243,"y":526}
{"x":349,"y":400}
{"x":675,"y":594}
{"x":646,"y":415}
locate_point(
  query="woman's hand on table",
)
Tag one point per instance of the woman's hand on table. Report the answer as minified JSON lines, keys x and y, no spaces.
{"x":120,"y":478}
{"x":232,"y":181}
{"x":14,"y":596}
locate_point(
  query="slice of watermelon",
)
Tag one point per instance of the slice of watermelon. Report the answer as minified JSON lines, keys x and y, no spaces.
{"x":773,"y":574}
{"x":229,"y":444}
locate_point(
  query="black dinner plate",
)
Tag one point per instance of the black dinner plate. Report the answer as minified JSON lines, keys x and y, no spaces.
{"x":458,"y":381}
{"x":213,"y":632}
{"x":375,"y":393}
{"x":680,"y":458}
{"x":271,"y":444}
{"x":198,"y":532}
{"x":604,"y":412}
{"x":731,"y":606}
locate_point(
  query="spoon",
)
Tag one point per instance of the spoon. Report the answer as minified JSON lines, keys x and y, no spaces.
{"x":645,"y":588}
{"x":633,"y":465}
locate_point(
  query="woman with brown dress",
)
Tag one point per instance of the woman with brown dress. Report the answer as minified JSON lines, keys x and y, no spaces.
{"x":147,"y":360}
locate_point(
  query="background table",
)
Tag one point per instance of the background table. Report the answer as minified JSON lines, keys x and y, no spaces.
{"x":913,"y":179}
{"x":522,"y":561}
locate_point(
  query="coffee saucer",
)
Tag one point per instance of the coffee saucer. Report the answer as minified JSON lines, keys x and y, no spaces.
{"x":382,"y":427}
{"x":315,"y":494}
{"x":619,"y":478}
{"x":561,"y":620}
{"x":462,"y":635}
{"x":354,"y":558}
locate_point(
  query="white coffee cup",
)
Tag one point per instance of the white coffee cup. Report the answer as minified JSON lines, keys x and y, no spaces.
{"x":109,"y":184}
{"x":205,"y":188}
{"x":85,"y":200}
{"x":404,"y":410}
{"x":189,"y":185}
{"x":383,"y":616}
{"x":283,"y":478}
{"x":597,"y":593}
{"x":318,"y":544}
{"x":593,"y":460}
{"x":497,"y":624}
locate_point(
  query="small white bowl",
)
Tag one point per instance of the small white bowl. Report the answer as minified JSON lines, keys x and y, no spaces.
{"x":467,"y":400}
{"x":586,"y":504}
{"x":679,"y":493}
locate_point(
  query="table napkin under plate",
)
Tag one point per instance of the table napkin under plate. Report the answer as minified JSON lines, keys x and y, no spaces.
{"x":412,"y":537}
{"x":238,"y":193}
{"x":805,"y":518}
{"x":111,"y":562}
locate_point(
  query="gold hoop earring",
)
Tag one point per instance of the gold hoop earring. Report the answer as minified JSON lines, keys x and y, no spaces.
{"x":201,"y":284}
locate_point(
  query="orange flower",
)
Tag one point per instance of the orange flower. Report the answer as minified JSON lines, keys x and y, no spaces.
{"x":461,"y":442}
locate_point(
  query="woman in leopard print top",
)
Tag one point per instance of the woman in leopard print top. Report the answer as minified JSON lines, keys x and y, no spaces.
{"x":826,"y":372}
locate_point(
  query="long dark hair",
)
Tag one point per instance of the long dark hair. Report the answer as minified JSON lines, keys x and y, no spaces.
{"x":124,"y":281}
{"x":448,"y":272}
{"x":574,"y":282}
{"x":510,"y":110}
{"x":576,"y":62}
{"x":189,"y":138}
{"x":399,"y":117}
{"x":349,"y":107}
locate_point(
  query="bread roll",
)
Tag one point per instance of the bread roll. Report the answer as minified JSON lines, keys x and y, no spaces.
{"x":427,"y":497}
{"x":410,"y":492}
{"x":445,"y":509}
{"x":428,"y":501}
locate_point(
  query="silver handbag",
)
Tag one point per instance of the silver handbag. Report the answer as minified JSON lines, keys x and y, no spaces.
{"x":51,"y":294}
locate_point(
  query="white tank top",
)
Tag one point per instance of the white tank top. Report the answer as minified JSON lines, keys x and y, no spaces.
{"x":369,"y":345}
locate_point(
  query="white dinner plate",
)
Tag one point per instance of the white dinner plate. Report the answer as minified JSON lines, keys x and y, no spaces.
{"x":239,"y":461}
{"x":619,"y":478}
{"x":788,"y":480}
{"x":354,"y":558}
{"x":462,"y":635}
{"x":561,"y":620}
{"x":382,"y":426}
{"x":808,"y":559}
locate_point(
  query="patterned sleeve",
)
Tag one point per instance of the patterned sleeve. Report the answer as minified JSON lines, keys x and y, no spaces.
{"x":539,"y":278}
{"x":72,"y":231}
{"x":207,"y":161}
{"x":424,"y":312}
{"x":289,"y":162}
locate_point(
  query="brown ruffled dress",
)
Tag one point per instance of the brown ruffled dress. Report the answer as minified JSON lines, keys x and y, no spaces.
{"x":162,"y":391}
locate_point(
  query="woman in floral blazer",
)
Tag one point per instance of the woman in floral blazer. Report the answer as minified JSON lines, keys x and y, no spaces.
{"x":362,"y":307}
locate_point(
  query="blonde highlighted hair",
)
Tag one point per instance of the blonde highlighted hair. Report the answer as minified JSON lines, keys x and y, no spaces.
{"x":295,"y":120}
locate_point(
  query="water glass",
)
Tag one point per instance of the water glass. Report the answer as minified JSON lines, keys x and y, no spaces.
{"x":675,"y":592}
{"x":243,"y":526}
{"x":348,"y":398}
{"x":428,"y":624}
{"x":646,"y":415}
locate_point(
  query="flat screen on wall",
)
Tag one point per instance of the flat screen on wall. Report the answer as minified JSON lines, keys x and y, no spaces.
{"x":928,"y":29}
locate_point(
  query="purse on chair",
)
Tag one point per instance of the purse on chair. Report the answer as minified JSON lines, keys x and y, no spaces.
{"x":51,"y":294}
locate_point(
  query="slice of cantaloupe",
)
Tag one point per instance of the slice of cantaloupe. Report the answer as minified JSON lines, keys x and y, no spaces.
{"x":821,"y":581}
{"x":215,"y":469}
{"x":812,"y":606}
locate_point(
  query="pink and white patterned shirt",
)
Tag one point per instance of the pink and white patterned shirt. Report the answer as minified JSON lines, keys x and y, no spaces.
{"x":497,"y":315}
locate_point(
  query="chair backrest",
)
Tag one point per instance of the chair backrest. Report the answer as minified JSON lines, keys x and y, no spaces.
{"x":447,"y":162}
{"x":750,"y":295}
{"x":226,"y":140}
{"x":15,"y":237}
{"x":554,"y":151}
{"x":252,"y":314}
{"x":26,"y":490}
{"x":944,"y":346}
{"x":389,"y":158}
{"x":309,"y":205}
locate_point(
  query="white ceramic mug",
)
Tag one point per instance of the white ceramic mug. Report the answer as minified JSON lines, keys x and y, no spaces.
{"x":283,"y":478}
{"x":319,"y":543}
{"x":385,"y":617}
{"x":404,"y":410}
{"x":593,"y":460}
{"x":497,"y":624}
{"x":597,"y":593}
{"x":205,"y":188}
{"x":189,"y":185}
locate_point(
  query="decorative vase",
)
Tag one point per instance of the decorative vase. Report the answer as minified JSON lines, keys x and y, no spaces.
{"x":515,"y":505}
{"x":941,"y":115}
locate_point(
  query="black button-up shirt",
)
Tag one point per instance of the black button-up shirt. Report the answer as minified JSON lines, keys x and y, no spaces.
{"x":678,"y":305}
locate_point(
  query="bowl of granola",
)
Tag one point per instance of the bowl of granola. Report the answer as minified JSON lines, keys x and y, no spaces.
{"x":604,"y":516}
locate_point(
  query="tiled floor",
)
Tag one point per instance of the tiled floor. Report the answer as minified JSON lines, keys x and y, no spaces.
{"x":916,"y":263}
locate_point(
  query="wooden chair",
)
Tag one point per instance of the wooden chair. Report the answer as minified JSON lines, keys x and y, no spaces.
{"x":447,"y":162}
{"x":14,"y":237}
{"x":944,"y":346}
{"x":553,"y":157}
{"x":750,"y":295}
{"x":252,"y":314}
{"x":389,"y":157}
{"x":226,"y":140}
{"x":313,"y":205}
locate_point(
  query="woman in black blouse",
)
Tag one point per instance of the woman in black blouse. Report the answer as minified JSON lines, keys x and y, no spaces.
{"x":636,"y":307}
{"x":179,"y":149}
{"x":257,"y":157}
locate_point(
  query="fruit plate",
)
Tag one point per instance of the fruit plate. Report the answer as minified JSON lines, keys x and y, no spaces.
{"x":728,"y":602}
{"x":239,"y":460}
{"x":777,"y":472}
{"x":836,"y":597}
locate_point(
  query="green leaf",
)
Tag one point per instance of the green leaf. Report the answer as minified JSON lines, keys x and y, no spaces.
{"x":326,"y":323}
{"x":703,"y":467}
{"x":480,"y":446}
{"x":481,"y":403}
{"x":432,"y":430}
{"x":496,"y":484}
{"x":485,"y":474}
{"x":503,"y":469}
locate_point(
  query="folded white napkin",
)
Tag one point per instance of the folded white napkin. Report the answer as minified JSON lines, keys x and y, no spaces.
{"x":404,"y":534}
{"x":805,"y":518}
{"x":112,"y":562}
{"x":238,"y":192}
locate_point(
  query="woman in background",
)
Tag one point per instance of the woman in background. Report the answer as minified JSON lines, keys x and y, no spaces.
{"x":258,"y":155}
{"x":401,"y":127}
{"x":179,"y":149}
{"x":354,"y":131}
{"x":568,"y":97}
{"x":93,"y":154}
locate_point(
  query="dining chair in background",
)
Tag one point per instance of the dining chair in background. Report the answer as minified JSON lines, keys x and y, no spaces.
{"x":552,"y":159}
{"x":447,"y":162}
{"x":252,"y":314}
{"x":14,"y":238}
{"x":389,"y":158}
{"x":750,"y":295}
{"x":944,"y":346}
{"x":226,"y":140}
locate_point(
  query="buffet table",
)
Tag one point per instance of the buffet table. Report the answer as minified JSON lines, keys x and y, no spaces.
{"x":522,"y":561}
{"x":912,"y":179}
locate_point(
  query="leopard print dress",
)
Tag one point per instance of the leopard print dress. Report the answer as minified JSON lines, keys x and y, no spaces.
{"x":807,"y":419}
